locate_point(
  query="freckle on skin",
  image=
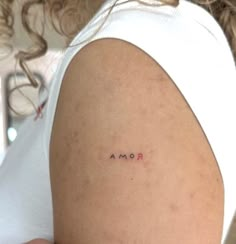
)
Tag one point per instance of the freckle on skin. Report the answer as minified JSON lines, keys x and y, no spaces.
{"x":75,"y":137}
{"x":192,"y":195}
{"x":77,"y":107}
{"x":174,"y":207}
{"x":202,"y":176}
{"x":79,"y":151}
{"x":147,"y":184}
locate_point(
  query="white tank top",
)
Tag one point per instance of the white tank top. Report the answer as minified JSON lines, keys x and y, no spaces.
{"x":190,"y":46}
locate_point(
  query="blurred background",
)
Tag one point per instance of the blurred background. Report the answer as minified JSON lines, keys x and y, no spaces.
{"x":23,"y":100}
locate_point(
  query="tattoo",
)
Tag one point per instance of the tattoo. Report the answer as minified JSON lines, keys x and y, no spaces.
{"x":139,"y":156}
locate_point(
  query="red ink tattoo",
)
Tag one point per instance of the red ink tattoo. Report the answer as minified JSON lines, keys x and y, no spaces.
{"x":140,"y":156}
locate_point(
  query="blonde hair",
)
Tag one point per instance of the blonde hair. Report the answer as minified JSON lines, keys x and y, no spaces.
{"x":62,"y":14}
{"x":224,"y":11}
{"x":6,"y":27}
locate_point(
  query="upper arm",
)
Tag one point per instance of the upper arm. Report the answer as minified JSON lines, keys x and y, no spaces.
{"x":116,"y":100}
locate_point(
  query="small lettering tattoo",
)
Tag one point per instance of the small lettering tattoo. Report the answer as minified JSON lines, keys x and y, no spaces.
{"x":123,"y":156}
{"x":113,"y":156}
{"x":132,"y":155}
{"x":139,"y":156}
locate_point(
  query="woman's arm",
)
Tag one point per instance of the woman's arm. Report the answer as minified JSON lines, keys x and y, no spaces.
{"x":129,"y":162}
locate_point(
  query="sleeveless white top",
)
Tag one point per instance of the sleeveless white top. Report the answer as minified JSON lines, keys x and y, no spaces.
{"x":190,"y":46}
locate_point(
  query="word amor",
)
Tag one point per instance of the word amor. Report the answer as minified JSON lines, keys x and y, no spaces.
{"x":138,"y":156}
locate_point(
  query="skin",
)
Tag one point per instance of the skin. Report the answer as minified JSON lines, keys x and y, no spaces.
{"x":185,"y":190}
{"x":124,"y":103}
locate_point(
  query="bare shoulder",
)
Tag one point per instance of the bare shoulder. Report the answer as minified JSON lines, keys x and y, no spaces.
{"x":129,"y":161}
